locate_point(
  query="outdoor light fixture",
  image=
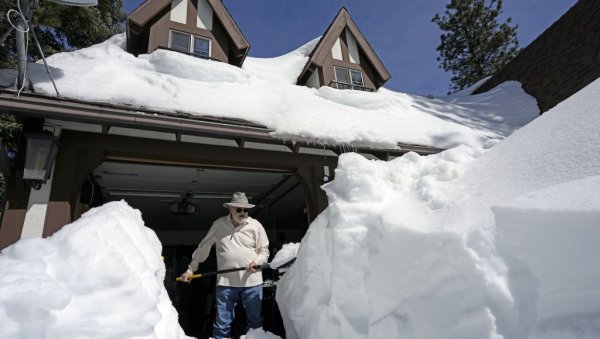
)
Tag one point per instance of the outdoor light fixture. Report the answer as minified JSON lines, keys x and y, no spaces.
{"x":182,"y":208}
{"x":41,"y":153}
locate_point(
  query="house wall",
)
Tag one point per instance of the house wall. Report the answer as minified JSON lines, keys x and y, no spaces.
{"x":159,"y":32}
{"x":18,"y":193}
{"x":313,"y":81}
{"x":328,"y":72}
{"x":561,"y":61}
{"x":137,"y":43}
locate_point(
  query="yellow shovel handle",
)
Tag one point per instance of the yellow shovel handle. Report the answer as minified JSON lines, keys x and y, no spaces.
{"x":193,"y":276}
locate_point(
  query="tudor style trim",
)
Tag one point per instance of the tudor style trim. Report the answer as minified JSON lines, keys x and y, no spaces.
{"x":322,"y":50}
{"x":139,"y":24}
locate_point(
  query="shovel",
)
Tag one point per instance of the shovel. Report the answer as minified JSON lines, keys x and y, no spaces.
{"x":256,"y":267}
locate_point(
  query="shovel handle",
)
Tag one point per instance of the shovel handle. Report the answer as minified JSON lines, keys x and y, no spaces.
{"x":193,"y":276}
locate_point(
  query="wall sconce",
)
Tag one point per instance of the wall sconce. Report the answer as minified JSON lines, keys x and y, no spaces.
{"x":41,"y":153}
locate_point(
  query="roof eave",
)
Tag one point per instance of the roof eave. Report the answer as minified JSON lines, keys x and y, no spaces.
{"x":231,"y":27}
{"x":39,"y":106}
{"x":146,"y":11}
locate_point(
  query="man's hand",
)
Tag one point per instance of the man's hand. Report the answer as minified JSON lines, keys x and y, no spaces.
{"x":250,"y":267}
{"x":185,"y":277}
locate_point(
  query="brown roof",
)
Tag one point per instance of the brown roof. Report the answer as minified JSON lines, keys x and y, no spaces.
{"x":321,"y":51}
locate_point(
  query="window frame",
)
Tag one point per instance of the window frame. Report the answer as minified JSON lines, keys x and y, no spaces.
{"x":192,"y":46}
{"x":171,"y":33}
{"x":350,"y":84}
{"x":345,"y":70}
{"x":362,"y":79}
{"x":191,"y":39}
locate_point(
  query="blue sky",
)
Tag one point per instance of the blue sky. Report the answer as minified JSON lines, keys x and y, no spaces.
{"x":400,"y":31}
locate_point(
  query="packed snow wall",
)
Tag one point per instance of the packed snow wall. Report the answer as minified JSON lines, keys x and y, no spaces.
{"x":99,"y":277}
{"x":469,"y":243}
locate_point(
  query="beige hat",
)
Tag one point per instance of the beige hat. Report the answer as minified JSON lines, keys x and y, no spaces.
{"x":238,"y":200}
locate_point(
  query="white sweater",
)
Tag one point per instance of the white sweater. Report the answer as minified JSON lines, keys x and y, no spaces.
{"x":236,"y":247}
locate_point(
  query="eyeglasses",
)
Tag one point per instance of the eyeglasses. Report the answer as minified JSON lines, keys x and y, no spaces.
{"x":241,"y":210}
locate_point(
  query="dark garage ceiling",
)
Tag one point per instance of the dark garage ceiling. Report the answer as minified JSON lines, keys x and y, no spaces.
{"x":154,"y":188}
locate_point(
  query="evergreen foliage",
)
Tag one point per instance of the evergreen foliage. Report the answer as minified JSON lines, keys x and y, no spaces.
{"x":59,"y":27}
{"x":474,"y":44}
{"x":10,"y":133}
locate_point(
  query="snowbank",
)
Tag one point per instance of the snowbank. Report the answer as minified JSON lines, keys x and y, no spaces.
{"x":283,"y":257}
{"x":464,"y":244}
{"x":264,"y":92}
{"x":99,"y":277}
{"x":550,"y":239}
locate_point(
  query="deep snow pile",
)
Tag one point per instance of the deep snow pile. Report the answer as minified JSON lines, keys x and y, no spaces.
{"x":99,"y":277}
{"x":264,"y":92}
{"x":465,"y":244}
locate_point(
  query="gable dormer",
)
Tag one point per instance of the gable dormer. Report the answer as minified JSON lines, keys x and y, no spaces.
{"x":202,"y":28}
{"x":344,"y":59}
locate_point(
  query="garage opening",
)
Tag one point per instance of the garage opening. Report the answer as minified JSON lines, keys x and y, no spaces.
{"x":180,"y":203}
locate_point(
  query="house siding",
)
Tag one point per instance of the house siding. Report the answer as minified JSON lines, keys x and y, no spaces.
{"x":343,"y":37}
{"x":561,"y":61}
{"x":12,"y":226}
{"x":313,"y":80}
{"x":329,"y":72}
{"x":159,"y":33}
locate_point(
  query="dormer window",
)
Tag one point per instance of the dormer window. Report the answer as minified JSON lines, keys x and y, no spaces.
{"x":201,"y":47}
{"x":190,"y":44}
{"x":343,"y":59}
{"x":346,"y":78}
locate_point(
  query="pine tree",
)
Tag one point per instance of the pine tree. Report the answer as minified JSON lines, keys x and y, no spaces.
{"x":59,"y":27}
{"x":474,"y":45}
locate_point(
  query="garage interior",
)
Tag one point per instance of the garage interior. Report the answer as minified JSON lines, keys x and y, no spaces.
{"x":180,"y":203}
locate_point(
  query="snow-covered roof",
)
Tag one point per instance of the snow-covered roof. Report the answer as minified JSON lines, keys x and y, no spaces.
{"x":264,"y":92}
{"x":416,"y":247}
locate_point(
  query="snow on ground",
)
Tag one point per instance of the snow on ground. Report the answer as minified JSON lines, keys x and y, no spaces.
{"x":559,"y":286}
{"x":264,"y":92}
{"x":474,"y":242}
{"x":99,"y":277}
{"x":284,"y":255}
{"x":465,"y":244}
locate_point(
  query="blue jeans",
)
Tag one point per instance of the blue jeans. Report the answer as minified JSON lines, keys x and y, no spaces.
{"x":227,"y":298}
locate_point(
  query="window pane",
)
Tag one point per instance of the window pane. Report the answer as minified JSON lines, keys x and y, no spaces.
{"x":341,"y":75}
{"x":357,"y":79}
{"x":201,"y":47}
{"x":180,"y":41}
